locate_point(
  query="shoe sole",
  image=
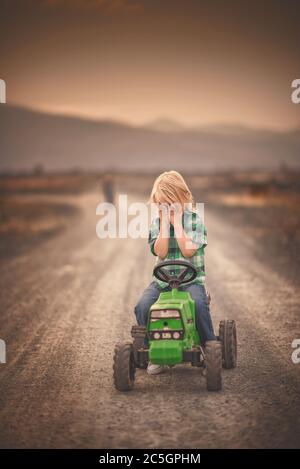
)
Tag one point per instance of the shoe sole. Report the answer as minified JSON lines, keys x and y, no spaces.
{"x":156,"y":372}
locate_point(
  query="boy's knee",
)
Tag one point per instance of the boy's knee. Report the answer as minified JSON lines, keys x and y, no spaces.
{"x":199,"y":296}
{"x":201,"y":303}
{"x":147,"y":299}
{"x":141,"y":313}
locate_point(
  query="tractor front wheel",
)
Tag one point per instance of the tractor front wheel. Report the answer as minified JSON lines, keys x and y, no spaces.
{"x":124,"y":366}
{"x":227,"y":335}
{"x":213,"y":365}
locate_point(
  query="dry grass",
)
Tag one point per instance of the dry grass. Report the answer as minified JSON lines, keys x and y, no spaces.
{"x":250,"y":199}
{"x":53,"y":183}
{"x":26,"y":217}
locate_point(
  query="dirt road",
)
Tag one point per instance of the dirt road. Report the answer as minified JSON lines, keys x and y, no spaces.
{"x":66,"y":303}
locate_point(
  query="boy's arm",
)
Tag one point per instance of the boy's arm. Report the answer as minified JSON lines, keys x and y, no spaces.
{"x":185,"y":243}
{"x":190,"y":241}
{"x":159,"y":237}
{"x":161,"y":245}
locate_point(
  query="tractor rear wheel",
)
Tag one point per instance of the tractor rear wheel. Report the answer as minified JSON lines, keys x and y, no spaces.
{"x":213,"y":364}
{"x":124,"y":366}
{"x":228,"y":339}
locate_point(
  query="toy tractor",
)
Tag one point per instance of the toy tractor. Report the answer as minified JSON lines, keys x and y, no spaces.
{"x":171,"y":338}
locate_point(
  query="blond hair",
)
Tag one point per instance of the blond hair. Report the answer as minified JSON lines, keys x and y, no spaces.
{"x":170,"y":187}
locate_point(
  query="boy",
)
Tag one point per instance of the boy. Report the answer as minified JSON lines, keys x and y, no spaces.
{"x":177,"y":234}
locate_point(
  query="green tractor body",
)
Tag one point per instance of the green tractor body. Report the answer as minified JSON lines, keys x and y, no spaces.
{"x":171,"y":328}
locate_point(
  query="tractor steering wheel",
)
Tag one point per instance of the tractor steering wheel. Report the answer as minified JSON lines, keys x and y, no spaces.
{"x":174,"y":281}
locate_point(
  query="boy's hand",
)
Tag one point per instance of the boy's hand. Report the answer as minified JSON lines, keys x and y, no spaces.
{"x":161,"y":245}
{"x":164,"y":221}
{"x":175,"y":215}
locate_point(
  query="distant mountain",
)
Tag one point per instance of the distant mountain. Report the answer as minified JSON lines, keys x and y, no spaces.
{"x":56,"y":142}
{"x":165,"y":125}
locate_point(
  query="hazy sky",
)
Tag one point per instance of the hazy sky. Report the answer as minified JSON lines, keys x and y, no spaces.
{"x":198,"y":62}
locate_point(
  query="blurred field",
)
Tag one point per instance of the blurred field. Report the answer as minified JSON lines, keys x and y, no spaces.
{"x":265,"y":205}
{"x":36,"y":206}
{"x":62,"y":183}
{"x":24,"y":223}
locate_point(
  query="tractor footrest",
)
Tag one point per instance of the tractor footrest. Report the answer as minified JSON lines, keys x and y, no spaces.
{"x":138,"y":332}
{"x":142,"y":357}
{"x":195,"y":357}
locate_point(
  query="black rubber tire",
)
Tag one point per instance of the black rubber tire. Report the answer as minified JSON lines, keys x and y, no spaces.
{"x":124,"y":366}
{"x":228,"y":339}
{"x":213,"y":364}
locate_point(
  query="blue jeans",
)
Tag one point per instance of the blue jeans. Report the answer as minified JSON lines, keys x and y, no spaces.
{"x":203,"y":319}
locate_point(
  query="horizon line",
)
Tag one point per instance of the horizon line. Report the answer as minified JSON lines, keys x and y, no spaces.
{"x":182,"y":126}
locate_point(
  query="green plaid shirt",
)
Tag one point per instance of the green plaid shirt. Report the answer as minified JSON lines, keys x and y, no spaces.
{"x":196,"y":231}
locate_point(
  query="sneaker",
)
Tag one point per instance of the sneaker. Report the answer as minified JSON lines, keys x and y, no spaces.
{"x":153,"y":369}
